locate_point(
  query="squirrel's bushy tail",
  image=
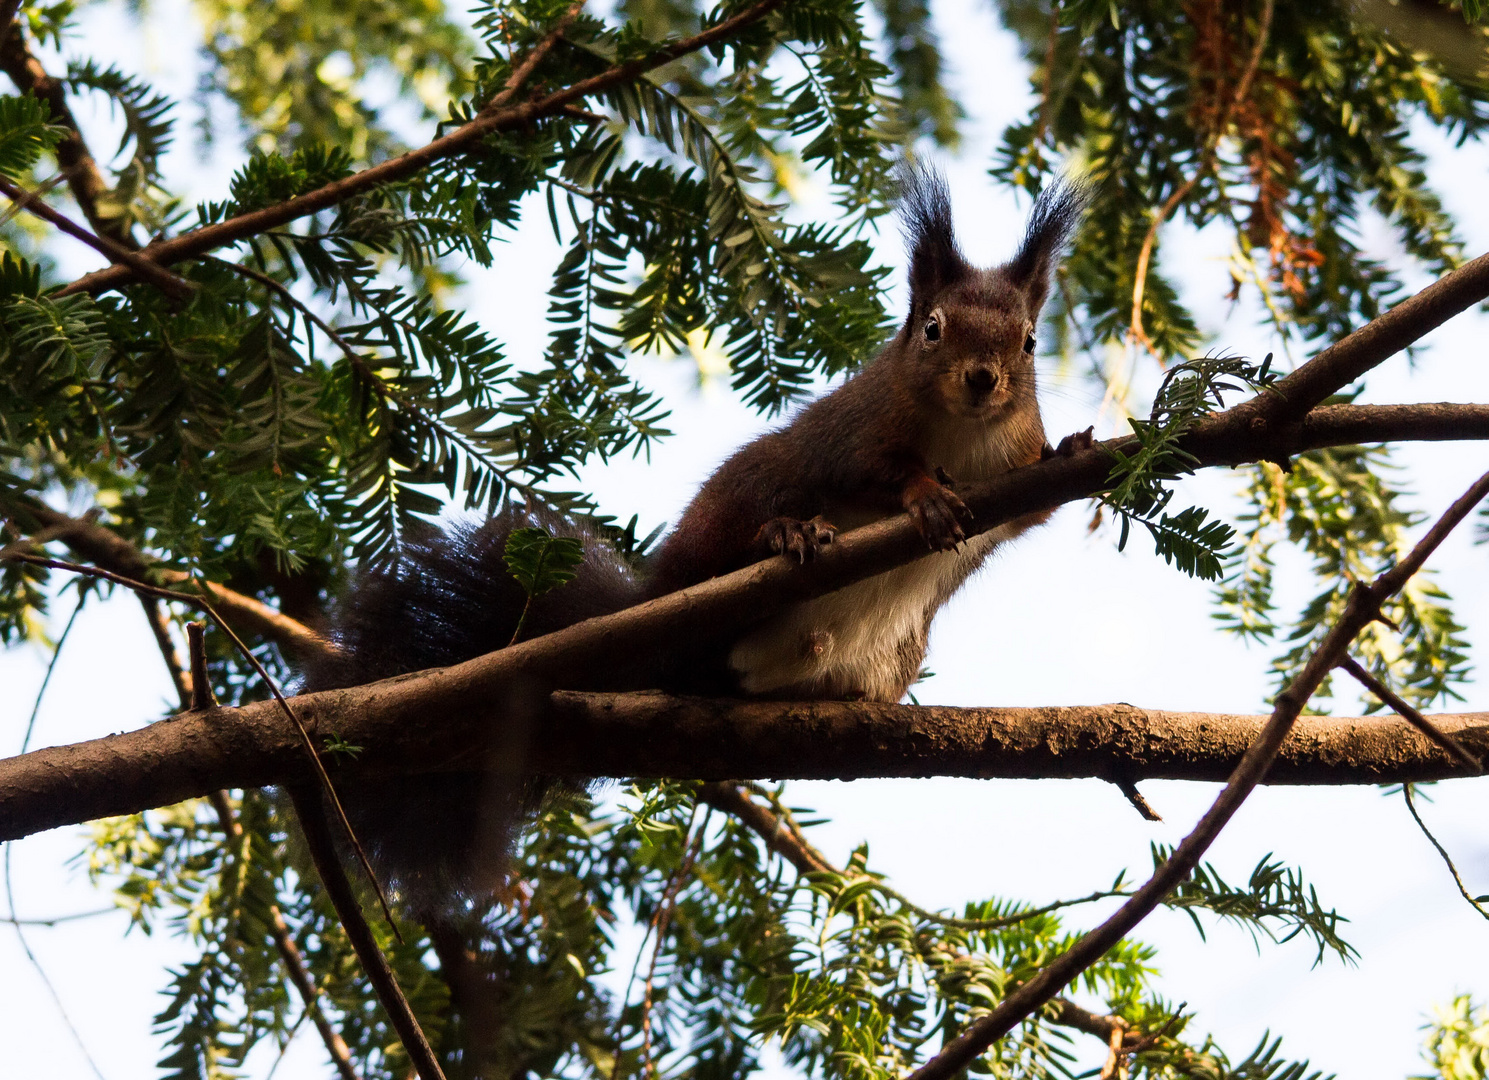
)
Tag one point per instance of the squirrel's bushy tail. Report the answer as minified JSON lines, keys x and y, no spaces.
{"x":441,"y":839}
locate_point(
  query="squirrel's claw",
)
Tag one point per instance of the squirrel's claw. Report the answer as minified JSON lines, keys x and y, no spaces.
{"x":798,"y":540}
{"x":1072,"y":444}
{"x":938,"y":514}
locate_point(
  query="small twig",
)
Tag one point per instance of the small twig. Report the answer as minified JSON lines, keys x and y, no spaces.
{"x":109,"y":248}
{"x":659,"y":924}
{"x":36,"y":193}
{"x":1135,"y":797}
{"x":1474,"y":902}
{"x":11,"y":920}
{"x":284,"y":941}
{"x":1409,"y":714}
{"x":201,"y":686}
{"x":322,"y":848}
{"x":1207,"y":158}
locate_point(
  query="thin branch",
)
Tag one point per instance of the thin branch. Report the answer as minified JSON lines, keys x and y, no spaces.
{"x":289,"y":952}
{"x":107,"y":549}
{"x":1207,"y":160}
{"x":106,"y":246}
{"x":322,"y":846}
{"x":1362,"y":607}
{"x":195,"y":690}
{"x":210,"y":237}
{"x":1474,"y":901}
{"x":84,"y":178}
{"x":1406,"y":712}
{"x":57,"y":920}
{"x":659,"y":924}
{"x":523,"y":71}
{"x":781,"y":834}
{"x":160,"y":628}
{"x":307,"y":743}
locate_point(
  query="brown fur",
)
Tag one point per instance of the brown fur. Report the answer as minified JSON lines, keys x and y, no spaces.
{"x":951,"y":397}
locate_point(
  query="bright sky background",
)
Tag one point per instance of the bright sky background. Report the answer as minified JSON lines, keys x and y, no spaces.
{"x":1060,"y":618}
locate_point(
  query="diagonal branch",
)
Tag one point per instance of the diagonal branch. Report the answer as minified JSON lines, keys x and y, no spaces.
{"x":785,"y":838}
{"x":84,"y":178}
{"x":105,"y":245}
{"x":508,"y":117}
{"x":1362,"y":608}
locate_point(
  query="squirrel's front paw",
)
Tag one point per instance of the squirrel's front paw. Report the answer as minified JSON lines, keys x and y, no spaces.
{"x":938,"y":514}
{"x":1070,"y":445}
{"x":799,"y":540}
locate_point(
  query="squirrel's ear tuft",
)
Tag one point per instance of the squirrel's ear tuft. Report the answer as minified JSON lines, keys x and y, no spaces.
{"x":925,"y":211}
{"x":1052,"y":222}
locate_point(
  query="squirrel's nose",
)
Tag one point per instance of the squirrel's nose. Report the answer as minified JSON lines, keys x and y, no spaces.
{"x":982,"y":380}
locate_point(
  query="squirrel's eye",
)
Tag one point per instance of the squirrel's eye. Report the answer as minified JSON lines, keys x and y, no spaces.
{"x":1029,"y":344}
{"x":933,"y":330}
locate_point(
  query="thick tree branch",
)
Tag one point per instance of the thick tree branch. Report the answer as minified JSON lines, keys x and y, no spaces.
{"x":194,"y":754}
{"x":469,"y":697}
{"x":504,"y":118}
{"x":84,"y":178}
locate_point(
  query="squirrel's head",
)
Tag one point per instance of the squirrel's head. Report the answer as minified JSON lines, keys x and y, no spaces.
{"x":970,"y":336}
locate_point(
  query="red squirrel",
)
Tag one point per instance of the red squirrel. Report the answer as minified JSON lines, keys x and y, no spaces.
{"x":951,"y":396}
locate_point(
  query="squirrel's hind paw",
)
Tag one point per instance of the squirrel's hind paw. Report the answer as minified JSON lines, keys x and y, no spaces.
{"x":799,"y":540}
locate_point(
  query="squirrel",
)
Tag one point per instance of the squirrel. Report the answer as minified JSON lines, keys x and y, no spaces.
{"x":952,"y":395}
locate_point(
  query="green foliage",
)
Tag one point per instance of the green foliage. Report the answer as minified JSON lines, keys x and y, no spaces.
{"x":1274,"y":894}
{"x":1139,"y":479}
{"x":1339,"y":508}
{"x":541,"y":562}
{"x":137,"y":195}
{"x":1145,"y":97}
{"x":1457,"y":1043}
{"x":297,"y":74}
{"x":25,"y":134}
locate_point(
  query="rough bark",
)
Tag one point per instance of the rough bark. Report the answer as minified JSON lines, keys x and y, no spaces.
{"x":197,"y":753}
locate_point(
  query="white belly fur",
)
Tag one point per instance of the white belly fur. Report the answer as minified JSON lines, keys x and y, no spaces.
{"x":852,"y":642}
{"x":868,"y":640}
